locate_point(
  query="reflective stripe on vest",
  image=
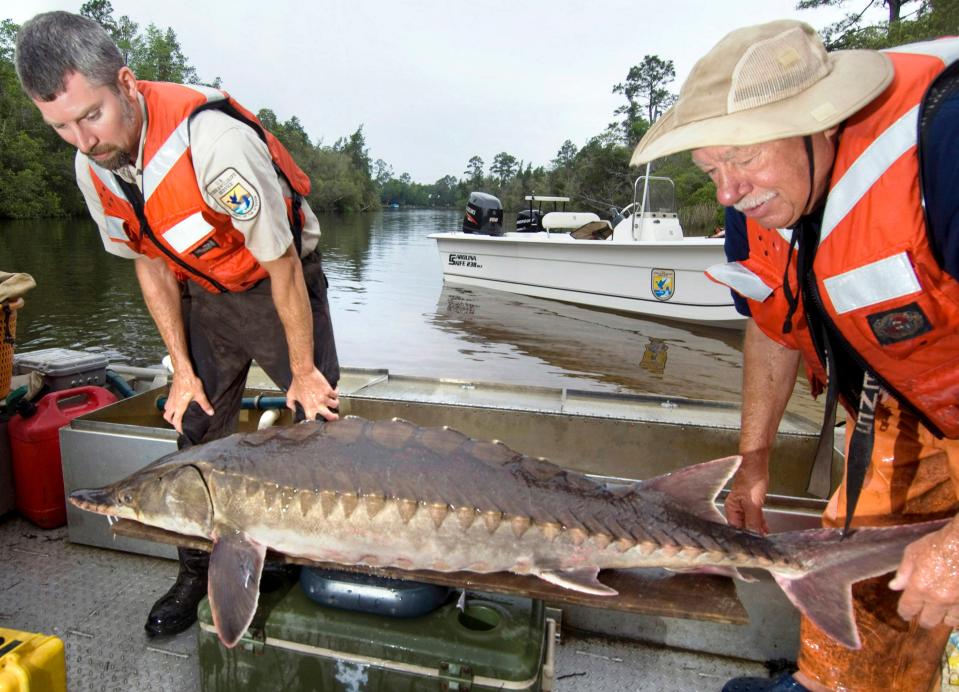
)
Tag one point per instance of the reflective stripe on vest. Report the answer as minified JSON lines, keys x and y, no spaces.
{"x":172,"y":149}
{"x":186,"y":233}
{"x":114,"y":224}
{"x":873,"y":283}
{"x":885,"y":150}
{"x":867,"y":169}
{"x":114,"y":229}
{"x":741,"y":279}
{"x":945,"y":50}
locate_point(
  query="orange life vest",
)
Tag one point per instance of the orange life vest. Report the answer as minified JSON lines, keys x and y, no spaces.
{"x":876,"y":276}
{"x":171,"y":220}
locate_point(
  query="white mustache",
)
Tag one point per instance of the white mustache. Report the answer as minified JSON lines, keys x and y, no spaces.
{"x":754,"y":201}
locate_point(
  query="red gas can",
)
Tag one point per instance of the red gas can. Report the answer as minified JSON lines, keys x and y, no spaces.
{"x":35,"y":448}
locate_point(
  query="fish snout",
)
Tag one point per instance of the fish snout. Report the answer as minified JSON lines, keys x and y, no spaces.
{"x":99,"y":500}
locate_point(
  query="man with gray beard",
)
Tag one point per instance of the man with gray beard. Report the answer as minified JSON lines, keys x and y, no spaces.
{"x":210,"y":206}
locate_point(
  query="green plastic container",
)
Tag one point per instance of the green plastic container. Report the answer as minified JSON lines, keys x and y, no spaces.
{"x":495,"y":643}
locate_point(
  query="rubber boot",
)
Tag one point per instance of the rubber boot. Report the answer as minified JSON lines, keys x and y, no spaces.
{"x":176,"y":609}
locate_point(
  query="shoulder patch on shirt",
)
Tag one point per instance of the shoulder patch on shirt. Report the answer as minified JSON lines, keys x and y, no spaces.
{"x":899,"y":324}
{"x":235,"y":195}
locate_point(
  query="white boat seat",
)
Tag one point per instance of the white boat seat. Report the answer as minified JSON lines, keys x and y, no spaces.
{"x":567,"y":220}
{"x":594,"y":230}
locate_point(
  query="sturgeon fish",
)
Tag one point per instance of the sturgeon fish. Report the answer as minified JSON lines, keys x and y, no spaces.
{"x":392,"y":494}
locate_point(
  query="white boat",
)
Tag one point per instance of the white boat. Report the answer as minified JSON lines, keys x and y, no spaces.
{"x":641,"y":263}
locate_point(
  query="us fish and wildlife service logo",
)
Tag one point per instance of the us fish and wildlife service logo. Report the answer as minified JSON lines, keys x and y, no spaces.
{"x":663,"y":283}
{"x":235,"y":195}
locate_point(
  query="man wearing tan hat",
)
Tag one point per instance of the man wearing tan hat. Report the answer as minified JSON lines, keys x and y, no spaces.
{"x":840,"y":177}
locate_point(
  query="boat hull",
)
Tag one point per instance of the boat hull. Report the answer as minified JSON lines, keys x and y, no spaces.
{"x":658,"y":278}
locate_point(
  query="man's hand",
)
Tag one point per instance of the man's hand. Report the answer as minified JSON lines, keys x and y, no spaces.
{"x":184,"y":389}
{"x":314,"y":393}
{"x":744,"y":504}
{"x":928,"y":577}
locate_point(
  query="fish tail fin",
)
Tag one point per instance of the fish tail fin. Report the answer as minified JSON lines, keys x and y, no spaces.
{"x":829,"y":565}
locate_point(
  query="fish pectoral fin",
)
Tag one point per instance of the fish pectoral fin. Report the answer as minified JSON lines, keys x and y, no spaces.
{"x":234,"y":584}
{"x":578,"y":580}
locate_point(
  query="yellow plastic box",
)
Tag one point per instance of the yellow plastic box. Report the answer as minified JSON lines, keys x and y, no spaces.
{"x":31,"y":662}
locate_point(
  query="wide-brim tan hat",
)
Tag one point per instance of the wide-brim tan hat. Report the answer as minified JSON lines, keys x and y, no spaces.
{"x":766,"y":82}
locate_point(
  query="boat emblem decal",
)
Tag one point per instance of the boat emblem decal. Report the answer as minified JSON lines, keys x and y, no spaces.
{"x":663,"y":283}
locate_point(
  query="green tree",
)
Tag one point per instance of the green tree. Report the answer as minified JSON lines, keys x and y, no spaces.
{"x":100,"y":11}
{"x":8,"y":39}
{"x":444,"y":192}
{"x":474,"y":171}
{"x":158,"y":57}
{"x":565,"y":155}
{"x":382,"y":172}
{"x":355,"y":148}
{"x":127,"y":37}
{"x":504,"y":167}
{"x":644,"y":89}
{"x":906,"y":21}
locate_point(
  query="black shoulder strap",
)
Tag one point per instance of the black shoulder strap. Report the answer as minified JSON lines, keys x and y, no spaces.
{"x":945,"y":86}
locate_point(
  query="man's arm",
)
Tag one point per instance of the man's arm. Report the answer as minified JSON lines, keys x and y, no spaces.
{"x":224,"y":147}
{"x":769,"y":375}
{"x":161,"y":293}
{"x":309,"y":387}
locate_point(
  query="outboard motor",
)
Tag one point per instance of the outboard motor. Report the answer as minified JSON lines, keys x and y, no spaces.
{"x":529,"y":221}
{"x":484,"y":215}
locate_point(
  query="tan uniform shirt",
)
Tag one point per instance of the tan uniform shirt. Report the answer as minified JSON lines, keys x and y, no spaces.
{"x":219,"y":144}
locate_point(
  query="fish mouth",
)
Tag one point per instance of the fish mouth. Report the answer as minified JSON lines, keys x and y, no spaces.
{"x":98,"y":500}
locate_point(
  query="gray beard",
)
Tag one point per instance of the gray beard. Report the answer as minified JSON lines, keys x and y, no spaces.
{"x":118,"y":160}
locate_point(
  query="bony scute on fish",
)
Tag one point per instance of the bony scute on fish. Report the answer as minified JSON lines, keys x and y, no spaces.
{"x":536,"y":518}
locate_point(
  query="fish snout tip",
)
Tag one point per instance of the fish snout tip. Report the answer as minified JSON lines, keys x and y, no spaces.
{"x":92,"y":500}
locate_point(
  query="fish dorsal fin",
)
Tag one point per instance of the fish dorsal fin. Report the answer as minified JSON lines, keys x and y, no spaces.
{"x":695,"y":487}
{"x":583,"y":580}
{"x":234,"y":584}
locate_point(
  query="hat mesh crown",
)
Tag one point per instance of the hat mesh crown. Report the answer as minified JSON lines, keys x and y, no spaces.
{"x":775,"y":69}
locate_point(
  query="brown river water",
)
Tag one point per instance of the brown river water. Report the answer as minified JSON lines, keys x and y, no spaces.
{"x":390,"y":310}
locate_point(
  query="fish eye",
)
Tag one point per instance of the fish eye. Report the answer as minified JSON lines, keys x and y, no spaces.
{"x":126,"y":498}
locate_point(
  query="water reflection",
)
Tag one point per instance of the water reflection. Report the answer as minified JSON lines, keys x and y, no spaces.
{"x":85,"y":298}
{"x":640,"y":355}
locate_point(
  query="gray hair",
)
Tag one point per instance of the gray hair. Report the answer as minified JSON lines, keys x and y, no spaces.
{"x":54,"y":45}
